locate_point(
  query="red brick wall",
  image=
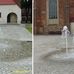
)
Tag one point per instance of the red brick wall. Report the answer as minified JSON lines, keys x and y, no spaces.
{"x":66,"y":13}
{"x":37,"y":15}
{"x":61,"y":13}
{"x":71,"y":10}
{"x":40,"y":16}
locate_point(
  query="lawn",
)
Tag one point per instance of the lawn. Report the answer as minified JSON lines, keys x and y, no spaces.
{"x":29,"y":27}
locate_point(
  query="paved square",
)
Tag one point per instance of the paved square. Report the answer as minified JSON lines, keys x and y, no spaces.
{"x":15,"y":50}
{"x":43,"y":45}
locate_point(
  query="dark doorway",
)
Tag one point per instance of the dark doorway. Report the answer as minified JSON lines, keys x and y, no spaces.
{"x":12,"y":18}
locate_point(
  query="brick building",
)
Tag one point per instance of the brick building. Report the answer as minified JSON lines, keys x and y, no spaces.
{"x":51,"y":15}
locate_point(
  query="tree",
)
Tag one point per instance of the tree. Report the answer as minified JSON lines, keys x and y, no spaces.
{"x":30,"y":9}
{"x":24,"y":3}
{"x":27,"y":4}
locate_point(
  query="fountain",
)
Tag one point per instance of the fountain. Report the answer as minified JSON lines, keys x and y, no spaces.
{"x":65,"y":34}
{"x":65,"y":52}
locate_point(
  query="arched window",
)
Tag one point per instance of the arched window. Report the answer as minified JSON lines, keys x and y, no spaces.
{"x":52,"y":9}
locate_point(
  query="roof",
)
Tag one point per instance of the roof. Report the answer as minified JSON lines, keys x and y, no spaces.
{"x":7,"y":2}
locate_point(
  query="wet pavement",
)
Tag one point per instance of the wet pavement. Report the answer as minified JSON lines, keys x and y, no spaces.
{"x":43,"y":45}
{"x":15,"y":32}
{"x":15,"y":50}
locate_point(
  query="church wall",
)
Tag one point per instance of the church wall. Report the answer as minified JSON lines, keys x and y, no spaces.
{"x":71,"y":10}
{"x":43,"y":25}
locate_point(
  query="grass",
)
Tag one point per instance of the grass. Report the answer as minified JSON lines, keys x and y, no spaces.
{"x":29,"y":27}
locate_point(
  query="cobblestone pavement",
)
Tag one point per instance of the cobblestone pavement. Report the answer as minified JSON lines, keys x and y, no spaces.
{"x":17,"y":67}
{"x":15,"y":50}
{"x":42,"y":46}
{"x":16,"y":59}
{"x":15,"y":32}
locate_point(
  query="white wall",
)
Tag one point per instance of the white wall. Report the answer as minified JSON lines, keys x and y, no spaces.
{"x":6,"y":9}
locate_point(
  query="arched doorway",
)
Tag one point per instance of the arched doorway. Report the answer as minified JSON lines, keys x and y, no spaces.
{"x":12,"y":18}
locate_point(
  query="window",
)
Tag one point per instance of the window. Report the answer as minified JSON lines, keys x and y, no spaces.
{"x":52,"y":9}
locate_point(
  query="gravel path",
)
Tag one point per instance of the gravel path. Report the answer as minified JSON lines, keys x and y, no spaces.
{"x":43,"y":45}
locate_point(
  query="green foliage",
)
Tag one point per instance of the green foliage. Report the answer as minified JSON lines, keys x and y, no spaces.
{"x":29,"y":27}
{"x":26,"y":3}
{"x":23,"y":3}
